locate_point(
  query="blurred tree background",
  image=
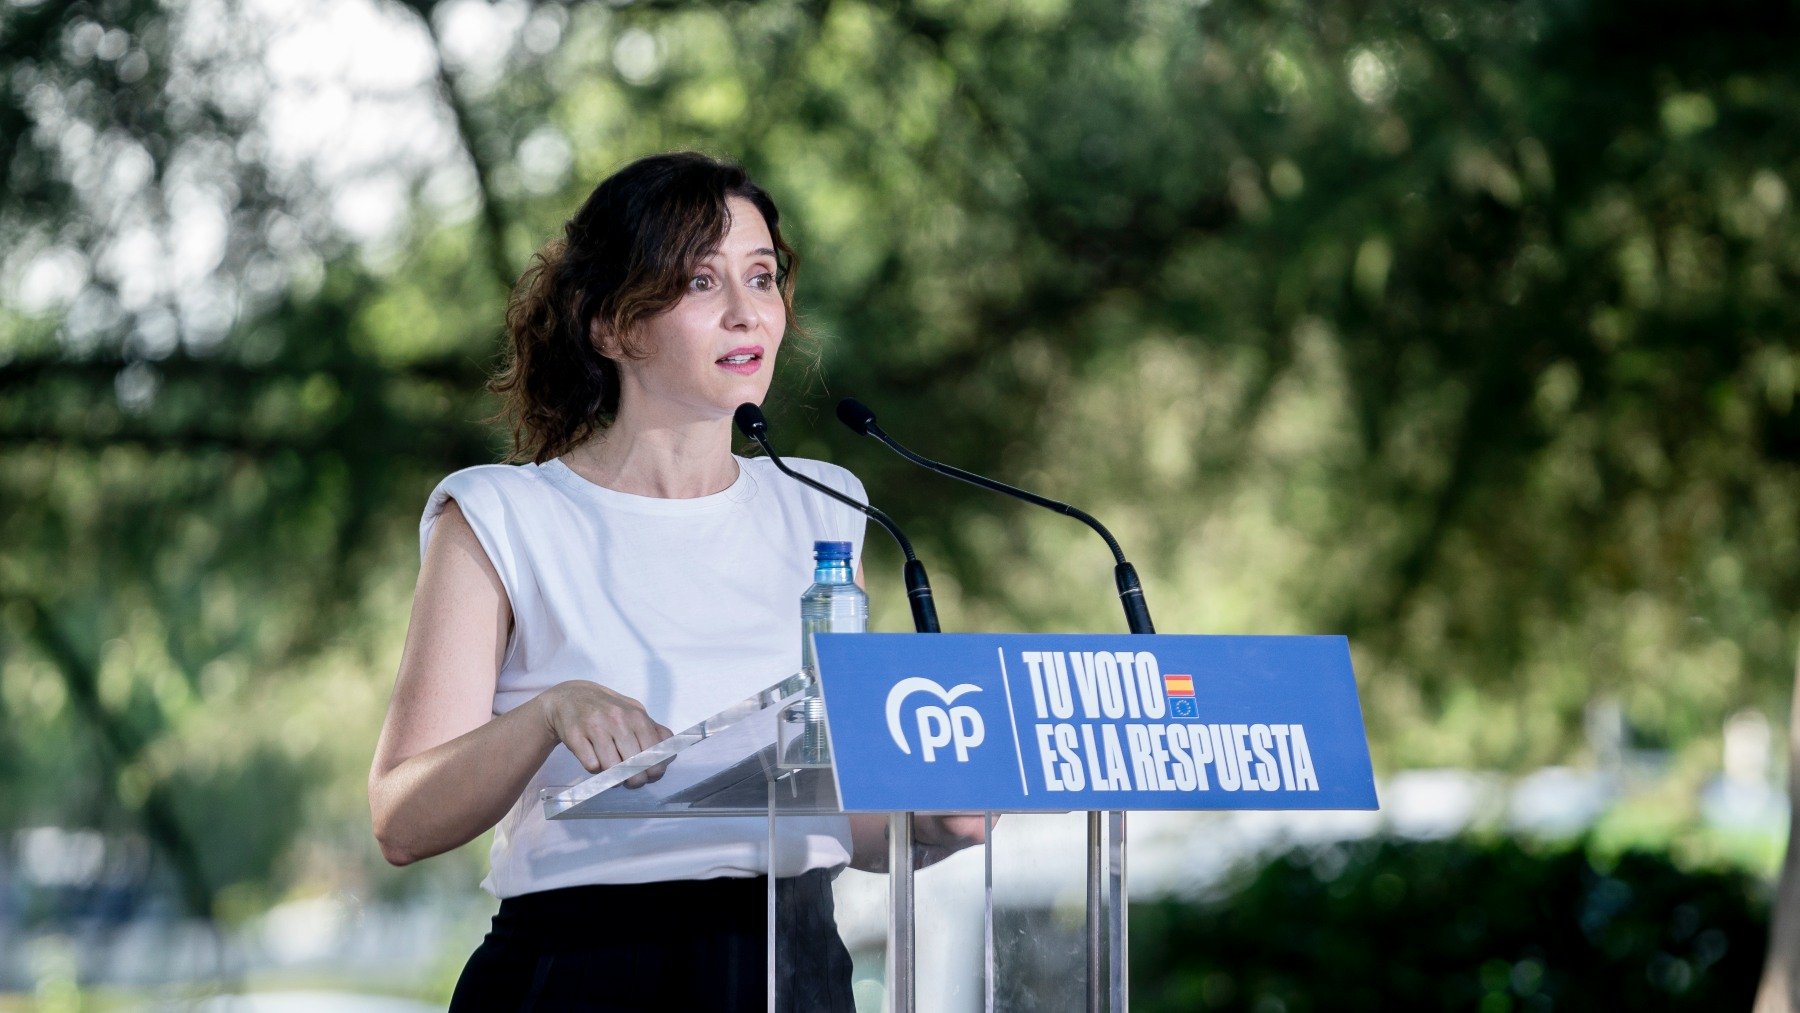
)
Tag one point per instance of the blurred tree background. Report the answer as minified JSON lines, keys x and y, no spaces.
{"x":1463,"y":330}
{"x":1479,"y":924}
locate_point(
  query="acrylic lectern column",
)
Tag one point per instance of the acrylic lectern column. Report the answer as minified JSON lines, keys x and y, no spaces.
{"x":762,"y":760}
{"x":731,"y":766}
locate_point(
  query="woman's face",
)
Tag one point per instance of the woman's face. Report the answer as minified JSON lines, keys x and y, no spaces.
{"x":715,"y":348}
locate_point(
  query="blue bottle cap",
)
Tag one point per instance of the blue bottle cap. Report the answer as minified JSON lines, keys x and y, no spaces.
{"x":827,"y":551}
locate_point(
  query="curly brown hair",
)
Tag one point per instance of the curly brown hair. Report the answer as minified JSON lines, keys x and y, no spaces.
{"x":623,"y":258}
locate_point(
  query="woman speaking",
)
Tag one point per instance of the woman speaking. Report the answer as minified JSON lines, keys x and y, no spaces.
{"x":629,"y":575}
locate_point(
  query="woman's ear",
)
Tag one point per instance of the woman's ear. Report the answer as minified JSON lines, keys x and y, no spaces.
{"x":602,"y":339}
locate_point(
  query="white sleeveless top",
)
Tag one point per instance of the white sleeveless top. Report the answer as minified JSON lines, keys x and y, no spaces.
{"x":687,"y":605}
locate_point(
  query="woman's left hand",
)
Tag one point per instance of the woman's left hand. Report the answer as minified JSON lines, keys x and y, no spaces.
{"x":953,"y":831}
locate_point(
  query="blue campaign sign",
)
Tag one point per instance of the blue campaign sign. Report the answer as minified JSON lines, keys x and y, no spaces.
{"x":1021,"y":722}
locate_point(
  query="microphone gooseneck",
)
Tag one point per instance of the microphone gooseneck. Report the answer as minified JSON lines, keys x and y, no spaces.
{"x":859,"y":418}
{"x":750,"y":421}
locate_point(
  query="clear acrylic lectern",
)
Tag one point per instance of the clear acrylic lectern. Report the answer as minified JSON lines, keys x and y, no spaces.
{"x":930,"y":938}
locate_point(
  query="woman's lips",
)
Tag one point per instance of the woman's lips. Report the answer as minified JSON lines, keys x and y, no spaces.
{"x":743,"y":361}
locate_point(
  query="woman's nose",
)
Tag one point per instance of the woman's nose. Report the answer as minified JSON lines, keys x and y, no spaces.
{"x":740,"y":309}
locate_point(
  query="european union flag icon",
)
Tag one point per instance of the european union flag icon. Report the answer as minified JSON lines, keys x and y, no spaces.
{"x":1183,"y":707}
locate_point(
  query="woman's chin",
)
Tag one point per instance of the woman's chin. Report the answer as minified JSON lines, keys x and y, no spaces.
{"x":754,"y":390}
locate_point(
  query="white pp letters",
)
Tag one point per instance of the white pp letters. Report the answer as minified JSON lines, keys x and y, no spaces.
{"x":956,"y":726}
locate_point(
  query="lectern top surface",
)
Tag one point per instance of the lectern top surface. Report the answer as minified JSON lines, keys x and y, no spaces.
{"x":723,"y":766}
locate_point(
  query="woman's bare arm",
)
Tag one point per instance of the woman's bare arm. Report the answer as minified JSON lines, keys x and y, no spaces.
{"x":445,"y":769}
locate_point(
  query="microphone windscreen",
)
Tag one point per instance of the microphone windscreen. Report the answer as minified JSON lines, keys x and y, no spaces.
{"x":749,"y":420}
{"x":856,"y":415}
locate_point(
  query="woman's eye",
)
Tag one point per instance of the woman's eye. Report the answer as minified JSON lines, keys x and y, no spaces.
{"x":700,"y":281}
{"x":764,"y":280}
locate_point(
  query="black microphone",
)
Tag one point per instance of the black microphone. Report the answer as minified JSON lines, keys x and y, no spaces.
{"x":750,"y":422}
{"x":861,"y":419}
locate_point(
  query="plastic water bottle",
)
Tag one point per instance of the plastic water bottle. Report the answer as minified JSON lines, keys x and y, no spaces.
{"x":833,"y":604}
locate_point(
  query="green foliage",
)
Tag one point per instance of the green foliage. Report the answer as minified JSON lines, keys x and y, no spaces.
{"x":1460,"y":924}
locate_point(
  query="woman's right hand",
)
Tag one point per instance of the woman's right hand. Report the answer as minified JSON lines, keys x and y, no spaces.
{"x":601,"y":727}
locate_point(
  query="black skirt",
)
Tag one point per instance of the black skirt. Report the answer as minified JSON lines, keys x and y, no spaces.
{"x":690,"y":944}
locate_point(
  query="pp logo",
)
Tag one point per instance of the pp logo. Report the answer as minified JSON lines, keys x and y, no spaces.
{"x":958,"y":726}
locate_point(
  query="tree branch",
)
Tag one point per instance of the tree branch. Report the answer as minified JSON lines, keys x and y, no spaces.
{"x":119,"y":746}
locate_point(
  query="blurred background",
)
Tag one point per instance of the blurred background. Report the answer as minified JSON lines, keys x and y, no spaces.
{"x":1466,"y":330}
